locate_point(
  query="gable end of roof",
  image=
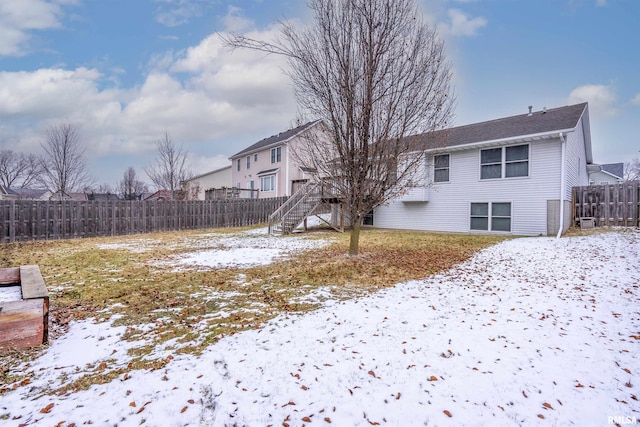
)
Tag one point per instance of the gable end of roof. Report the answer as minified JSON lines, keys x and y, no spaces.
{"x":275,"y":139}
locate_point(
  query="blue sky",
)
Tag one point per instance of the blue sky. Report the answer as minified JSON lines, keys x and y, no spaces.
{"x":125,"y":72}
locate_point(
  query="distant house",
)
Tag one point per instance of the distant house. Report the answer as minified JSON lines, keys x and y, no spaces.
{"x":79,"y":197}
{"x":611,"y":173}
{"x":60,"y":195}
{"x":102,"y":197}
{"x":8,"y":193}
{"x":163,"y":195}
{"x":270,"y":166}
{"x":511,"y":175}
{"x":195,"y":187}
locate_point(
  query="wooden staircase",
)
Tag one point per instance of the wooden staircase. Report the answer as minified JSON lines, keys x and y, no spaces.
{"x":302,"y":204}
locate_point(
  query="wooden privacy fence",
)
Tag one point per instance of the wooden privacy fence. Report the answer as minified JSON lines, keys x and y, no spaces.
{"x":614,"y":204}
{"x":22,"y":220}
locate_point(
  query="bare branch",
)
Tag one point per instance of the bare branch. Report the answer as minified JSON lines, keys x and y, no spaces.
{"x":375,"y":73}
{"x":64,"y":165}
{"x":632,"y":170}
{"x":170,"y":168}
{"x":18,"y":169}
{"x":130,"y":187}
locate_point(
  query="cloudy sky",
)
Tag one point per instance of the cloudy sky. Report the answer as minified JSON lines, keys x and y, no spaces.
{"x":125,"y":72}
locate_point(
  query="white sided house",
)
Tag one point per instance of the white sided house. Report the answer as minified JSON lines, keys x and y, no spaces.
{"x":503,"y":176}
{"x":270,"y":165}
{"x":197,"y":186}
{"x":611,"y":173}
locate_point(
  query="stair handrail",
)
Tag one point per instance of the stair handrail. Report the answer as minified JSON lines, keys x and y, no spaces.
{"x":279,"y":214}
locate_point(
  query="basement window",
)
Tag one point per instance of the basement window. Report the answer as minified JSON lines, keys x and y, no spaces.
{"x":491,"y":216}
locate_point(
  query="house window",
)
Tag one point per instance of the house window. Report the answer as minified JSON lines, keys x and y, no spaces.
{"x":238,"y":165}
{"x":268,"y":183}
{"x":276,"y":155}
{"x":255,"y":157}
{"x":516,"y":161}
{"x":441,"y":168}
{"x":491,"y":216}
{"x":513,"y":160}
{"x":479,"y":216}
{"x":491,"y":163}
{"x":248,"y":162}
{"x":501,"y":216}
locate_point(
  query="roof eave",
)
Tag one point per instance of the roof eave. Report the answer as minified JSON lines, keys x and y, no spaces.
{"x":503,"y":141}
{"x":275,"y":144}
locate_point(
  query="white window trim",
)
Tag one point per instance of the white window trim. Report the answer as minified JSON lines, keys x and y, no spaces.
{"x":275,"y":183}
{"x":503,"y":163}
{"x":274,"y":157}
{"x":490,"y":216}
{"x":448,"y":167}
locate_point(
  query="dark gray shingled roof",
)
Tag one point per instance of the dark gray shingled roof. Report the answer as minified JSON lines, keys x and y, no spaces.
{"x":553,"y":119}
{"x":616,"y":169}
{"x":26,"y":192}
{"x":275,"y":139}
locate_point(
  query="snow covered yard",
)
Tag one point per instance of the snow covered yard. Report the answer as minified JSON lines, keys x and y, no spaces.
{"x":533,"y":331}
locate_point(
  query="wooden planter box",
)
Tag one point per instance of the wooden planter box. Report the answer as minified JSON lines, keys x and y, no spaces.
{"x":24,"y":309}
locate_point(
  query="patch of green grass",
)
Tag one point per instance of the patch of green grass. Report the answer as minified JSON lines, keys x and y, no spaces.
{"x":190,"y":310}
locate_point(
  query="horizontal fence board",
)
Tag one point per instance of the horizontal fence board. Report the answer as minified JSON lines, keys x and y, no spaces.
{"x":608,"y":205}
{"x":25,"y":220}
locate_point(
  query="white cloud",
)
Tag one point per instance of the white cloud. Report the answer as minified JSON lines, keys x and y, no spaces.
{"x":19,"y":18}
{"x":460,"y":24}
{"x":601,"y":2}
{"x":601,"y":99}
{"x":213,"y":100}
{"x":636,"y":100}
{"x":234,"y":20}
{"x":204,"y":164}
{"x":173,"y":13}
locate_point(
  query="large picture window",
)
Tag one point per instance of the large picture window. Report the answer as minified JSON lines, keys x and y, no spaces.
{"x":276,"y":155}
{"x":441,"y":168}
{"x":268,"y":183}
{"x":491,"y":216}
{"x":514,"y":161}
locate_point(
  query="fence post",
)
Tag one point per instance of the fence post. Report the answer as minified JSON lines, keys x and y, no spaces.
{"x":42,"y":220}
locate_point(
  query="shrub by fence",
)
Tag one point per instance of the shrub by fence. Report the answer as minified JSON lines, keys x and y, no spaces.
{"x":615,"y":204}
{"x":23,"y":220}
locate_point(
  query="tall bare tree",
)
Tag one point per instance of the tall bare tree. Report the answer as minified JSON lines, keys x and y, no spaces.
{"x":170,"y":167}
{"x":130,"y":187}
{"x":18,"y":169}
{"x":632,"y":170}
{"x":375,"y":72}
{"x":64,"y":164}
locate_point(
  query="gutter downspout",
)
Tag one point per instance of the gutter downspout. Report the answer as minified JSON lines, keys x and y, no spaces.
{"x":286,"y":173}
{"x":563,"y":178}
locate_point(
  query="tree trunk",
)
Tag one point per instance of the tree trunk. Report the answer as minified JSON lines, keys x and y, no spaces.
{"x":354,"y":243}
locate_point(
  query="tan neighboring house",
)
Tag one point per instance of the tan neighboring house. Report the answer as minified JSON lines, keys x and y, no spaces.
{"x":197,"y":186}
{"x":270,"y":166}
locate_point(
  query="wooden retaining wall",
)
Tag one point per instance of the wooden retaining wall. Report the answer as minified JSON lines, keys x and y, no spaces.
{"x":23,"y":220}
{"x":608,"y":205}
{"x":24,"y":322}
